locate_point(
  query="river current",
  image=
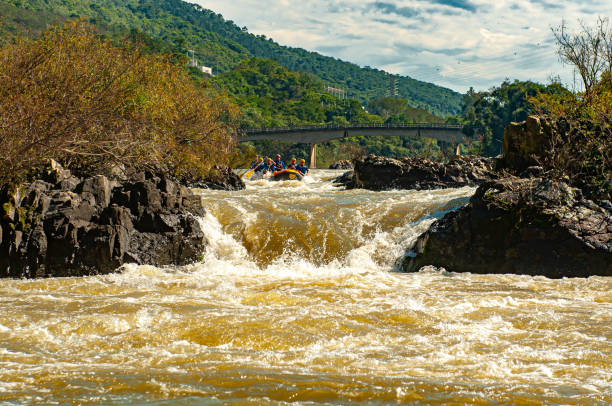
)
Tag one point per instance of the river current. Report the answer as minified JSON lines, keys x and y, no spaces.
{"x":298,"y":299}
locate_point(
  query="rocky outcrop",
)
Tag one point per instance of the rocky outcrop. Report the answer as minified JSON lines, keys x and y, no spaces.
{"x":380,"y":173}
{"x":220,"y":178}
{"x":531,"y":226}
{"x":524,"y":143}
{"x":345,"y":179}
{"x":65,"y":226}
{"x":344,"y":164}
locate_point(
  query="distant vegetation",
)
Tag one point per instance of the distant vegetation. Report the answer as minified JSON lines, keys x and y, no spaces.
{"x":220,"y":44}
{"x":269,"y":95}
{"x":74,"y":97}
{"x":486,"y":114}
{"x":272,"y":85}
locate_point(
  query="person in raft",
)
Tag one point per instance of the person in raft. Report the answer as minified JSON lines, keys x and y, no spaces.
{"x":293,"y":164}
{"x":260,"y":166}
{"x":302,"y":168}
{"x":278,"y":164}
{"x":256,"y":164}
{"x":268,"y":165}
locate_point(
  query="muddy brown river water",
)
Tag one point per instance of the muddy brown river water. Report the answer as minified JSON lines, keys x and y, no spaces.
{"x":297,"y":300}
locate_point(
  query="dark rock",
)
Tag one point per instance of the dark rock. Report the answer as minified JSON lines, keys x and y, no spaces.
{"x":522,"y":226}
{"x":533,"y":172}
{"x":345,"y":179}
{"x":220,"y":178}
{"x":344,"y":164}
{"x":380,"y":173}
{"x":525,"y":142}
{"x":98,"y":186}
{"x":606,"y":204}
{"x":46,"y":230}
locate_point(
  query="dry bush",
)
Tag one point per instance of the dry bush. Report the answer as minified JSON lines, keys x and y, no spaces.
{"x":581,"y":123}
{"x":74,"y":97}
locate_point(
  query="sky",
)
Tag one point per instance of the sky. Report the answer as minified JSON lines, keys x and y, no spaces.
{"x":453,"y":43}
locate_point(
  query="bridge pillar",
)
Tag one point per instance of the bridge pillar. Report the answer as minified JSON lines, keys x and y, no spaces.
{"x":313,"y":156}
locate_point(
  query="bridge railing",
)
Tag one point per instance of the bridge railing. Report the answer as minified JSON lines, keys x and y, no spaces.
{"x":349,"y":126}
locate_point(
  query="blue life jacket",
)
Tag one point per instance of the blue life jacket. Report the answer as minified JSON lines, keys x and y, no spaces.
{"x":291,"y":166}
{"x":302,"y":169}
{"x":279,"y":165}
{"x":261,"y":167}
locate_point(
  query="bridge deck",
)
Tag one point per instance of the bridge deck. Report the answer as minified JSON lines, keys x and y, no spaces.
{"x":313,"y":134}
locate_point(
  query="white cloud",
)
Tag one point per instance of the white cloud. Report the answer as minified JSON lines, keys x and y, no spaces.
{"x":453,"y":43}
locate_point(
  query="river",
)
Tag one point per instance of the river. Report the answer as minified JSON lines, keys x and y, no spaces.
{"x":297,"y":299}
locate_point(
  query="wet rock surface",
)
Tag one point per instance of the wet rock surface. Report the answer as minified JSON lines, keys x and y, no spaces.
{"x":221,"y":178}
{"x":344,"y":164}
{"x":65,"y":226}
{"x":380,"y":173}
{"x":531,"y":226}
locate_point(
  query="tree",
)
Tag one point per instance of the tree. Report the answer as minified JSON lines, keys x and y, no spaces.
{"x":589,"y":50}
{"x":488,"y":113}
{"x":580,"y":139}
{"x":76,"y":98}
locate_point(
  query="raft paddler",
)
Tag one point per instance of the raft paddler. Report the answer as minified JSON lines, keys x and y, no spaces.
{"x":302,"y":168}
{"x":260,"y":165}
{"x":278,"y":164}
{"x":292,"y":164}
{"x":256,"y":162}
{"x":268,"y":165}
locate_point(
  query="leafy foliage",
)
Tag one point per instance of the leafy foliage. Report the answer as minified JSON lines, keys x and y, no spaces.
{"x":487,"y":114}
{"x":74,"y":97}
{"x":270,"y":95}
{"x":222,"y":45}
{"x":581,"y":123}
{"x":397,"y":110}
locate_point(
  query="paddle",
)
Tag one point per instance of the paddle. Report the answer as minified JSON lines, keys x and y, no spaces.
{"x":249,"y":174}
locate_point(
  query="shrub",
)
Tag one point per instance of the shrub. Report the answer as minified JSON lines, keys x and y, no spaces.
{"x":72,"y":96}
{"x":581,"y":123}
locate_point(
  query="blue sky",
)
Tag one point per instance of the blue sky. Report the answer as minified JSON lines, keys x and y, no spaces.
{"x":453,"y":43}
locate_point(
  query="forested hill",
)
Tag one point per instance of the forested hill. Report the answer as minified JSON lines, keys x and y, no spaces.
{"x":219,"y":43}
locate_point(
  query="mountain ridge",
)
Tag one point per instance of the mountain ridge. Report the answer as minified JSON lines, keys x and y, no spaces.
{"x":222,"y":44}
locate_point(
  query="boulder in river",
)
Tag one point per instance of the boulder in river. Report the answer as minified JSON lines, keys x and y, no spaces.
{"x":343,"y":164}
{"x":65,"y":226}
{"x":531,"y":226}
{"x":220,"y":178}
{"x":380,"y":173}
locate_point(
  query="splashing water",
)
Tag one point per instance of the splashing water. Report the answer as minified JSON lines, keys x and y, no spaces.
{"x":297,"y":300}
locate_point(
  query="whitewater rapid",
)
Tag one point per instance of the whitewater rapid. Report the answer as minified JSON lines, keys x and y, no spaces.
{"x":298,"y":299}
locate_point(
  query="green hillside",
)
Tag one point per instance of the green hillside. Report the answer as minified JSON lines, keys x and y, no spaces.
{"x":218,"y":43}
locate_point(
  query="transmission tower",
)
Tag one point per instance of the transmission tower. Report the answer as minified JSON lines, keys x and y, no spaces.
{"x":393,"y":86}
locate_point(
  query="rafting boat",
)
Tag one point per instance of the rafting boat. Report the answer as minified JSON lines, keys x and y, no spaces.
{"x":287,"y":174}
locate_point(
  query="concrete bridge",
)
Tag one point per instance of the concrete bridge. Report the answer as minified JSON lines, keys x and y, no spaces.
{"x":315,"y":134}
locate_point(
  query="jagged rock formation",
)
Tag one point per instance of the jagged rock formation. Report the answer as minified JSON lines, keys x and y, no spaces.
{"x":65,"y":226}
{"x":524,"y":142}
{"x":529,"y":226}
{"x":344,"y":164}
{"x":220,"y":178}
{"x":380,"y":173}
{"x":532,"y":224}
